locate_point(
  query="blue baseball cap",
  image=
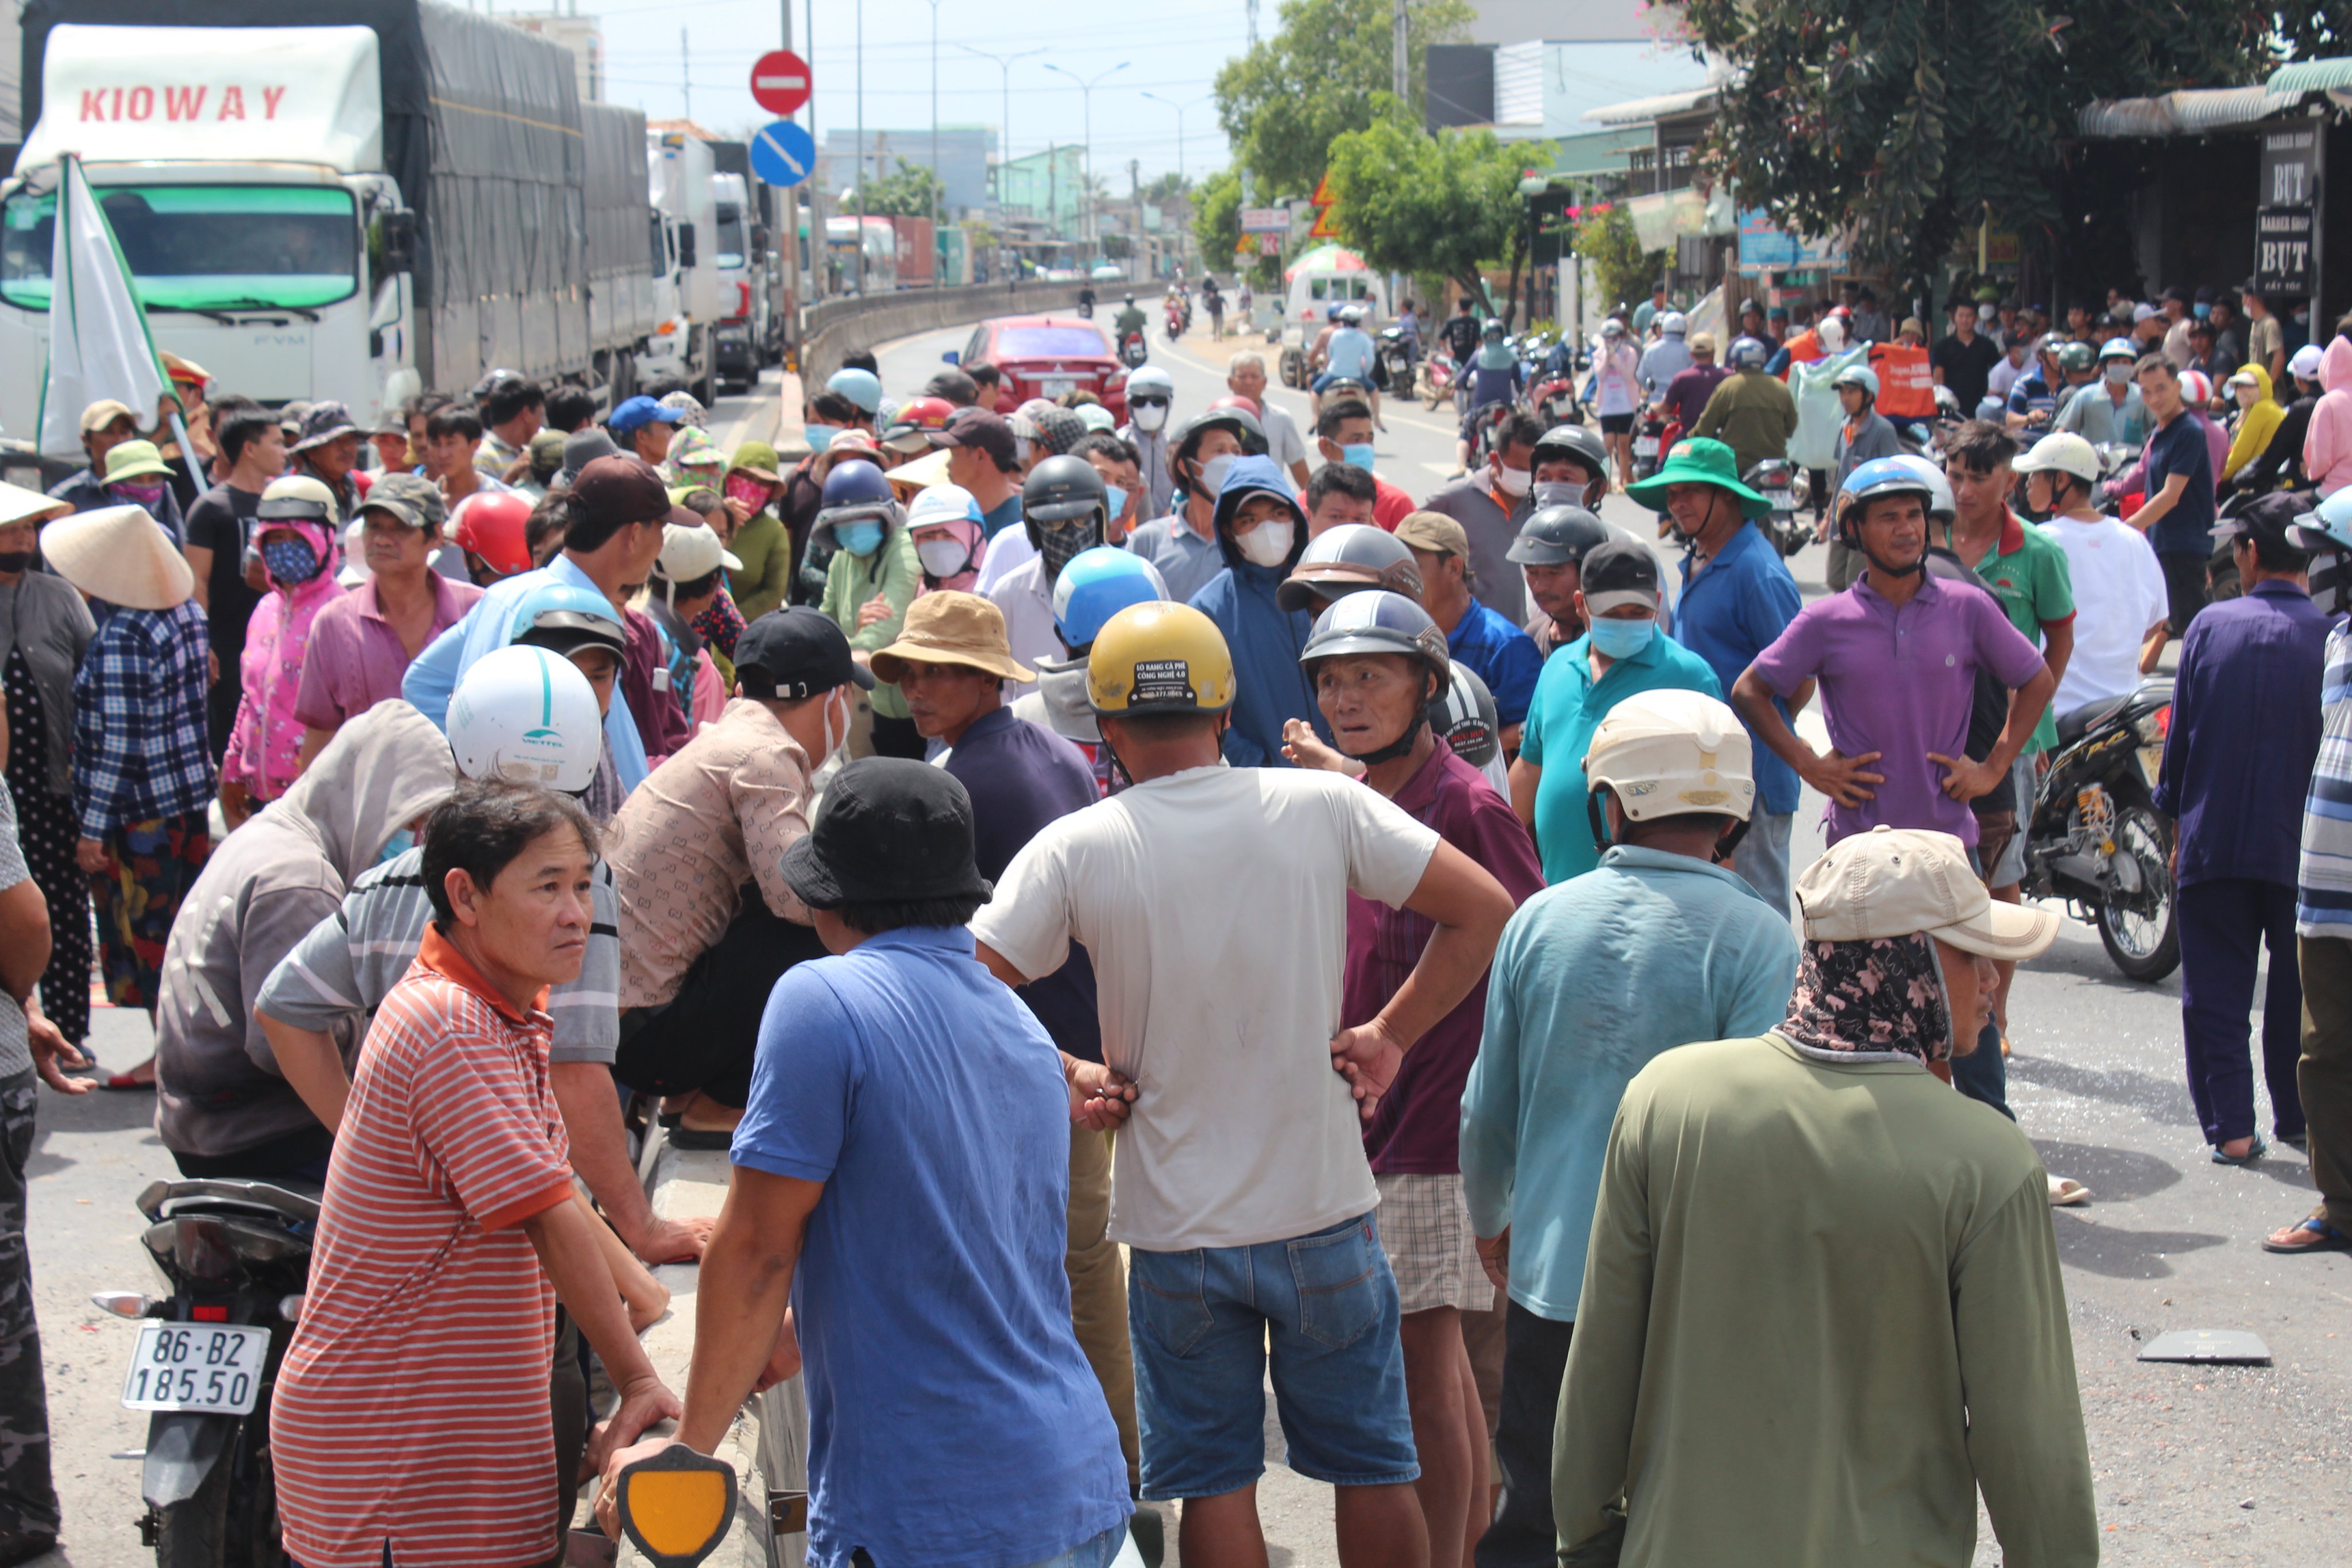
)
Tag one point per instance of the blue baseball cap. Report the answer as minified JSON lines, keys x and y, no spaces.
{"x":641,"y":410}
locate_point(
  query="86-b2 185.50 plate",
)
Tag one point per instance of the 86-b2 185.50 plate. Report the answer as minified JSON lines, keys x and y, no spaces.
{"x":215,"y":1368}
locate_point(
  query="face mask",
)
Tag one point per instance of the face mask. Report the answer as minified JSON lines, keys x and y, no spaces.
{"x":1513,"y":481}
{"x":1267,"y":544}
{"x":943,"y":558}
{"x":14,"y":561}
{"x":1213,"y":475}
{"x":399,"y":844}
{"x":1619,"y":638}
{"x":1118,"y":501}
{"x":751,"y":492}
{"x":861,"y":538}
{"x":137,"y":493}
{"x":1056,"y":546}
{"x":1358,"y":456}
{"x":290,"y":560}
{"x":2118,"y":374}
{"x":2201,"y":312}
{"x":1559,"y":493}
{"x":1150,"y":415}
{"x":834,"y":737}
{"x":820,"y":435}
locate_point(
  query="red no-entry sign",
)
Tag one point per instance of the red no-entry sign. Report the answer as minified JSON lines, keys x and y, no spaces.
{"x":780,"y":82}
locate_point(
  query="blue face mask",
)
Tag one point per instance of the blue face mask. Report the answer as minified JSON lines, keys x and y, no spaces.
{"x":1359,"y":456}
{"x":2201,"y":312}
{"x":820,"y":435}
{"x":861,"y":538}
{"x":1614,"y":639}
{"x":1118,"y":501}
{"x":399,"y":844}
{"x":290,"y":560}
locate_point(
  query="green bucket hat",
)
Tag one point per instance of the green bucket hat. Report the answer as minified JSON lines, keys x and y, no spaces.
{"x":1698,"y":461}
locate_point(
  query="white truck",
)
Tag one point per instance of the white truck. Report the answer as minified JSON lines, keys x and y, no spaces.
{"x":680,"y":180}
{"x":392,"y":197}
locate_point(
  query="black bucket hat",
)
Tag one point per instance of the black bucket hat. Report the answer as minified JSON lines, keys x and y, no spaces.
{"x":890,"y":831}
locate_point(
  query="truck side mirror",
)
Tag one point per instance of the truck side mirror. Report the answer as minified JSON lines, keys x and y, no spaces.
{"x":399,"y":240}
{"x":686,"y":245}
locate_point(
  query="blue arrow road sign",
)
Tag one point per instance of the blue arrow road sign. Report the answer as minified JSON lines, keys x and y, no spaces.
{"x":782,"y":153}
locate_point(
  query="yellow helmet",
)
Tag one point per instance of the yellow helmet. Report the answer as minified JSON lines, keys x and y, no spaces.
{"x":1159,"y":658}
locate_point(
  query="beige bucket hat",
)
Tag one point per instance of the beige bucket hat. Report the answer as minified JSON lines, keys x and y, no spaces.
{"x":951,"y":628}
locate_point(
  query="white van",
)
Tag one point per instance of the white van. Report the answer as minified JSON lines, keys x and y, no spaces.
{"x":1319,"y":282}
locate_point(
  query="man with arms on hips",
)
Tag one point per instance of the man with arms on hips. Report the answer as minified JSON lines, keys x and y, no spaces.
{"x":1211,"y":901}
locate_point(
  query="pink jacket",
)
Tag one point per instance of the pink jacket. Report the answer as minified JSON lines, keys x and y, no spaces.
{"x":2327,"y":444}
{"x":263,"y":743}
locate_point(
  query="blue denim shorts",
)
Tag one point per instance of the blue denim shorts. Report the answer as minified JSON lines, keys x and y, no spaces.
{"x":1200,"y":1322}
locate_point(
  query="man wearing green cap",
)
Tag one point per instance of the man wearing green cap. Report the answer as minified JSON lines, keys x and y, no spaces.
{"x":1737,"y":598}
{"x":1752,"y":411}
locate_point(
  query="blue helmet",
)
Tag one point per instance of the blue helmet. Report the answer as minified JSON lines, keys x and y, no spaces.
{"x":862,"y":387}
{"x":1746,"y":353}
{"x":856,"y":483}
{"x":1096,"y":584}
{"x":1878,"y":476}
{"x":2117,"y":348}
{"x":565,"y":619}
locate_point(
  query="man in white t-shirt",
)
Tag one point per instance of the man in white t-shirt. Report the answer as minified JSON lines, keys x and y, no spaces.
{"x":1246,"y":377}
{"x":1211,"y":900}
{"x":2121,"y":613}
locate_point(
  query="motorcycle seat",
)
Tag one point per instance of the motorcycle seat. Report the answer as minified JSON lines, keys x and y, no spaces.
{"x":2074,"y":726}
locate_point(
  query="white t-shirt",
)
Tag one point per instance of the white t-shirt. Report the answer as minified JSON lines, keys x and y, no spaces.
{"x":1006,"y":554}
{"x":1283,"y":442}
{"x":1211,"y":903}
{"x":1028,"y":607}
{"x":2118,"y":594}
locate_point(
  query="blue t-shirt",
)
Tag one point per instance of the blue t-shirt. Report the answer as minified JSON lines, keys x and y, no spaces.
{"x":1004,"y":514}
{"x":952,"y":1419}
{"x":1502,"y":655}
{"x":1728,"y":615}
{"x":2179,"y":448}
{"x":1349,"y":354}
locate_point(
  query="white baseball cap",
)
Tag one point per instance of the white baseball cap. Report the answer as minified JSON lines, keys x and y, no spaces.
{"x":1895,"y":881}
{"x":2063,"y":453}
{"x":2305,"y":362}
{"x":688,"y":554}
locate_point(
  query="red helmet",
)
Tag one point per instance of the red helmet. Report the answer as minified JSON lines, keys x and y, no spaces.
{"x":923,"y":414}
{"x":493,"y":526}
{"x":1244,"y":404}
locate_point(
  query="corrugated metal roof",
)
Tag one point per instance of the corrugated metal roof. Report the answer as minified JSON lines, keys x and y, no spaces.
{"x":2311,"y":75}
{"x":2193,"y":111}
{"x":1634,"y":111}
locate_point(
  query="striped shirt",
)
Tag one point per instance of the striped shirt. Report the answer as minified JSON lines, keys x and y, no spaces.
{"x":2323,"y":899}
{"x":411,"y":1408}
{"x":352,"y":959}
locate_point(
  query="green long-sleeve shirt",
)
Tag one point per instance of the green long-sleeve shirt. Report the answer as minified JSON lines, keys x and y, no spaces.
{"x":1822,"y":1308}
{"x":1751,"y":412}
{"x":766,"y":551}
{"x":892,"y":571}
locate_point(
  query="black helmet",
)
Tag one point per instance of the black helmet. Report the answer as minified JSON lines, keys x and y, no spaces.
{"x":1557,"y":536}
{"x":1059,"y":490}
{"x":1377,"y":621}
{"x":1348,"y":559}
{"x":1577,"y":441}
{"x":1465,"y":715}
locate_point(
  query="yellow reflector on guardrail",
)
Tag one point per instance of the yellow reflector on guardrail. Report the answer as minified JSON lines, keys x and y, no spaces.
{"x":676,"y":1505}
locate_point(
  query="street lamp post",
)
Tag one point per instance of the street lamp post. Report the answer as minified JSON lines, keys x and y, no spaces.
{"x":1004,"y":130}
{"x":936,"y":181}
{"x":1087,"y":99}
{"x":1180,"y":109}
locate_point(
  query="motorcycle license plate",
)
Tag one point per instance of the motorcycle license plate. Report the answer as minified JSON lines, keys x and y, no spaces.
{"x":1056,"y":385}
{"x":1645,"y":446}
{"x":1782,"y":500}
{"x":213,"y":1368}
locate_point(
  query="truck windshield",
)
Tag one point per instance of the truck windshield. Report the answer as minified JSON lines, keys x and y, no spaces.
{"x":731,"y":246}
{"x":199,"y":247}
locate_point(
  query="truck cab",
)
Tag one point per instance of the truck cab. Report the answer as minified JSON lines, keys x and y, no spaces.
{"x":680,"y":182}
{"x":742,"y":273}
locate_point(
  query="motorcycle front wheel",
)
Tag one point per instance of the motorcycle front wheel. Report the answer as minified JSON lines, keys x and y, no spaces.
{"x":2141,"y":931}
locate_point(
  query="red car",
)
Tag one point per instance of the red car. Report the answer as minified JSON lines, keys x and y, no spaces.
{"x":1048,"y":356}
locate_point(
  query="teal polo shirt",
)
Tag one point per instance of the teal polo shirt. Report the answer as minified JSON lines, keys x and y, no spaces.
{"x":1569,"y":706}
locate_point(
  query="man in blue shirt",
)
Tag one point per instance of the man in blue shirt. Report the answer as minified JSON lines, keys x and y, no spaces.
{"x":2178,"y":512}
{"x":1657,"y":948}
{"x":1737,"y":598}
{"x":952,"y":1419}
{"x":1496,"y":651}
{"x":2245,"y":731}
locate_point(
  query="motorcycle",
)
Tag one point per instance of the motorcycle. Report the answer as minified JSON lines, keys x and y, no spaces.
{"x":1131,"y":349}
{"x":1394,"y":368}
{"x":1775,"y":479}
{"x":1648,"y":443}
{"x":1179,"y":315}
{"x":1436,"y":380}
{"x":1553,"y":397}
{"x":1087,"y":309}
{"x":2096,"y":839}
{"x":237,"y":1258}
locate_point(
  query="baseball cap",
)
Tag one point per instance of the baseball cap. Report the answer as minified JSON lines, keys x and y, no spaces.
{"x":1701,"y":342}
{"x":1434,"y":532}
{"x":103,"y":413}
{"x":1619,"y":572}
{"x":323,"y":423}
{"x":2267,"y":517}
{"x":408,"y":499}
{"x":1897,"y":881}
{"x":890,"y":830}
{"x":2305,"y":362}
{"x":2143,"y":312}
{"x":623,"y":487}
{"x":691,"y":550}
{"x":978,"y":428}
{"x":641,"y":410}
{"x":795,"y":653}
{"x":954,"y":386}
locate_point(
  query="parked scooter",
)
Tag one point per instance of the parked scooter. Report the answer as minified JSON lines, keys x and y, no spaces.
{"x":237,"y":1258}
{"x":2097,"y":838}
{"x":1775,"y":479}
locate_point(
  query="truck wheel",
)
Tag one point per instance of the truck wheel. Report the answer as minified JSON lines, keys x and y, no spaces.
{"x":706,"y":390}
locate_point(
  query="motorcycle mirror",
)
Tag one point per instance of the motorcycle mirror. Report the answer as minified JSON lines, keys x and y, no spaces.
{"x":952,"y":357}
{"x":676,"y":1505}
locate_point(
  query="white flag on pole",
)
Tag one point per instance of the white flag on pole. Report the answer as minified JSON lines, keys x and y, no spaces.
{"x":98,"y":346}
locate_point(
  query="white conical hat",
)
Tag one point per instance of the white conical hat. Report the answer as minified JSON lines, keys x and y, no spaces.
{"x":122,"y":555}
{"x":18,"y":503}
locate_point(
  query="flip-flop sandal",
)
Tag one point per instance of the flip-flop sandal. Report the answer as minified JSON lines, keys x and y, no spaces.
{"x":2254,"y":1151}
{"x":2330,"y":1238}
{"x":2065,"y":1193}
{"x":124,"y":1081}
{"x":718,"y":1139}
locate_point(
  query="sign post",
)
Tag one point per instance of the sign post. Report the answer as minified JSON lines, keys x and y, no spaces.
{"x":780,"y":84}
{"x":2289,"y":198}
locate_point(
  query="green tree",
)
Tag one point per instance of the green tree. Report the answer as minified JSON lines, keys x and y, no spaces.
{"x":906,"y":192}
{"x":1318,"y":76}
{"x":1217,"y":216}
{"x":1902,"y":121}
{"x":1410,"y":202}
{"x":1606,"y":238}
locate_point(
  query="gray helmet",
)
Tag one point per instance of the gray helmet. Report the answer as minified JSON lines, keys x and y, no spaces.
{"x":1465,"y":715}
{"x":1376,"y":621}
{"x":1345,"y":560}
{"x":1578,"y":441}
{"x":1245,"y":426}
{"x":1557,"y":536}
{"x":1746,"y":353}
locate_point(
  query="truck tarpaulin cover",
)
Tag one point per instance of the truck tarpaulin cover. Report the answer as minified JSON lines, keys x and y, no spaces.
{"x":618,"y":213}
{"x":482,"y":132}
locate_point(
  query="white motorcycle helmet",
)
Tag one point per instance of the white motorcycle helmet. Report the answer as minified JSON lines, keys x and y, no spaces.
{"x":527,"y":716}
{"x":1668,"y":753}
{"x":1671,"y":323}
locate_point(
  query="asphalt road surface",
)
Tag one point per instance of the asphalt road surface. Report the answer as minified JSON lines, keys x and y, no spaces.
{"x":2194,"y":1465}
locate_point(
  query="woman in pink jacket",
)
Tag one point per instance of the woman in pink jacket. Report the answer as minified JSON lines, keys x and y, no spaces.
{"x":2327,"y":444}
{"x":295,"y":529}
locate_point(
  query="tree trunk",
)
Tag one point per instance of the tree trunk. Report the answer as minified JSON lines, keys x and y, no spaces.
{"x":1511,"y":292}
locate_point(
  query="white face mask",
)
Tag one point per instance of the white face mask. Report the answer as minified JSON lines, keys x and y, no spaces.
{"x":1513,"y":481}
{"x":943,"y":558}
{"x":1267,"y":544}
{"x":1020,"y":449}
{"x":834,"y":739}
{"x":1149,"y":416}
{"x":1559,"y":493}
{"x":1212,"y":474}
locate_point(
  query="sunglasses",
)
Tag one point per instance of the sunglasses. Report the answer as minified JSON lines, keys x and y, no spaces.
{"x":1147,"y":401}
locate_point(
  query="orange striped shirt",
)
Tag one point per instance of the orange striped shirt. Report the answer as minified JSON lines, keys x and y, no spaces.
{"x":413,"y":1405}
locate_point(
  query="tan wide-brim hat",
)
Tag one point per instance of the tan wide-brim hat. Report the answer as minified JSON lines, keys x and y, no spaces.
{"x":1895,"y":881}
{"x":951,"y":628}
{"x":122,"y":555}
{"x":18,"y":503}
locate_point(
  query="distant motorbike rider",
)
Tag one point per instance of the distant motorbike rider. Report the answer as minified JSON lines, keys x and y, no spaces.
{"x":1665,"y":359}
{"x":1130,"y":319}
{"x":1752,"y":413}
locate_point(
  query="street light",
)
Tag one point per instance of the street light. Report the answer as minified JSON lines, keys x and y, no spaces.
{"x":1180,"y":109}
{"x":1004,"y":130}
{"x":936,"y":182}
{"x":1086,"y":90}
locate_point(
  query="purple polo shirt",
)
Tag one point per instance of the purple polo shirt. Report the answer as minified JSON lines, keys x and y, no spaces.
{"x":1900,"y":681}
{"x":1417,"y":1128}
{"x":354,"y":660}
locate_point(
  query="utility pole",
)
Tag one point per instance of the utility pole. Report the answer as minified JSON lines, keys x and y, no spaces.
{"x":860,"y":246}
{"x":1397,"y":31}
{"x":685,"y":78}
{"x":789,"y":216}
{"x":1135,"y":199}
{"x":1087,"y":226}
{"x":936,"y":180}
{"x":819,"y":252}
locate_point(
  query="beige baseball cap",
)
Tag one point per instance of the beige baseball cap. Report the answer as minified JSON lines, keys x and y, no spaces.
{"x":692,"y":550}
{"x":1895,"y":882}
{"x":1434,"y":532}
